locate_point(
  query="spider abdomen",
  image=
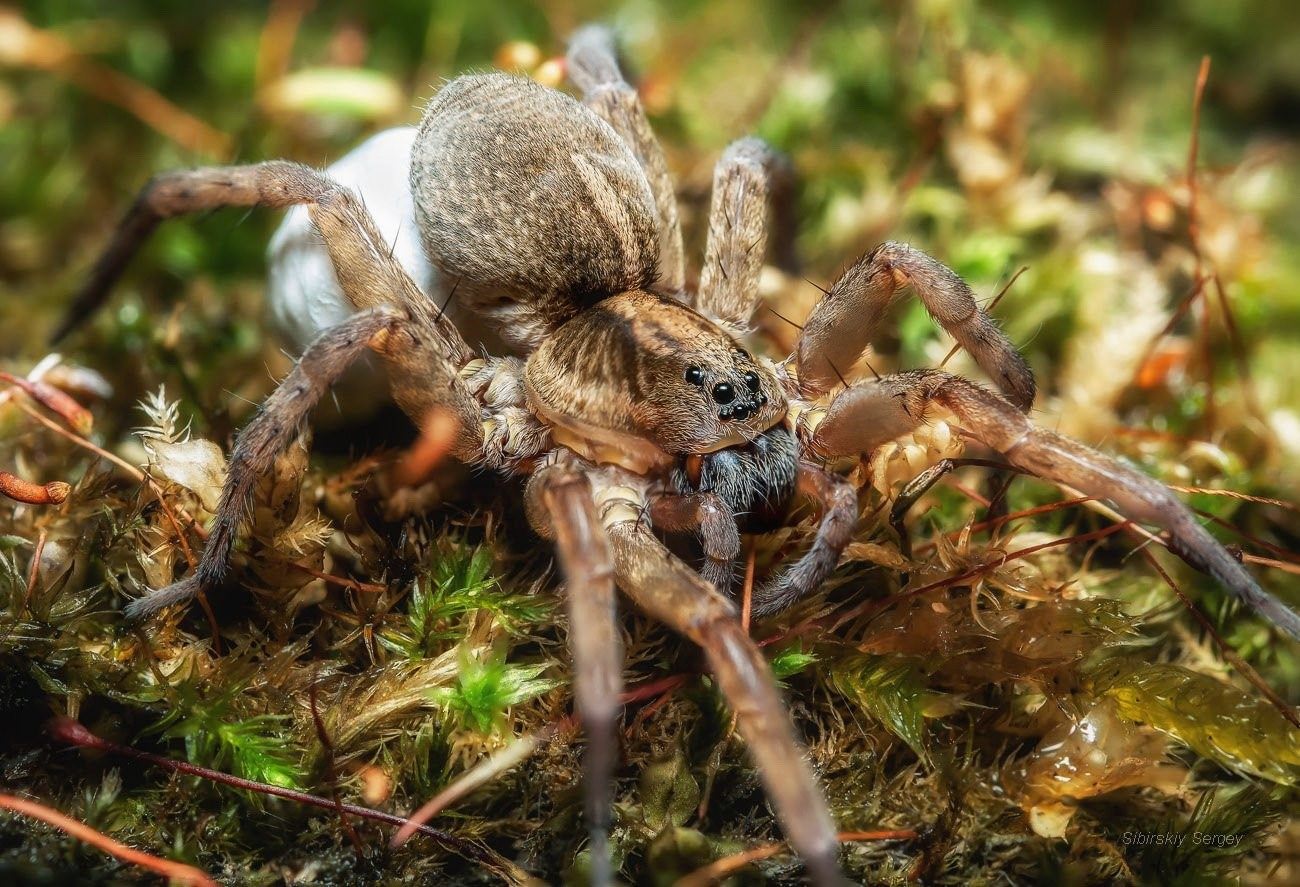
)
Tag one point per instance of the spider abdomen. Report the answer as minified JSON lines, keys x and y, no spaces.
{"x":530,"y":201}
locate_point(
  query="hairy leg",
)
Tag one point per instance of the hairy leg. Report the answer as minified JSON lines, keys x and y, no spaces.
{"x":867,"y":415}
{"x":424,"y":355}
{"x":839,"y":504}
{"x":593,"y":68}
{"x":277,"y":423}
{"x":423,"y":351}
{"x":667,"y":589}
{"x":277,"y":183}
{"x":753,"y":191}
{"x":708,"y":516}
{"x":562,"y":508}
{"x":842,"y":324}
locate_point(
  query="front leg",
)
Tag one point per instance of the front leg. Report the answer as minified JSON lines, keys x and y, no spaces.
{"x":843,"y":322}
{"x":561,"y":508}
{"x":673,"y":593}
{"x":838,"y":501}
{"x":753,"y":190}
{"x":865,"y":416}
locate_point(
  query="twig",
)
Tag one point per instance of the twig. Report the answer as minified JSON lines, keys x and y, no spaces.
{"x":1238,"y":351}
{"x":1289,"y":556}
{"x":1284,"y":566}
{"x":342,"y":581}
{"x":992,"y":523}
{"x":720,"y":868}
{"x":73,"y":733}
{"x":179,"y":871}
{"x":331,"y":774}
{"x":1243,"y":667}
{"x":275,"y":47}
{"x":1194,"y":236}
{"x":853,"y":613}
{"x":1193,"y":149}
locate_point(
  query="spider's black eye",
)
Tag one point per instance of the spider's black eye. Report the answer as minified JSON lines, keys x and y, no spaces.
{"x":695,"y":375}
{"x":751,"y":380}
{"x":723,"y":392}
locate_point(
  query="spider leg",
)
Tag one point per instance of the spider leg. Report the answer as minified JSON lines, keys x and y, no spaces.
{"x":671,"y":592}
{"x":706,"y":514}
{"x":872,"y":413}
{"x":423,"y":351}
{"x":277,"y":423}
{"x":592,"y":64}
{"x":839,"y":503}
{"x":276,"y":183}
{"x":750,"y":177}
{"x":561,"y":507}
{"x":425,"y":354}
{"x":843,"y":322}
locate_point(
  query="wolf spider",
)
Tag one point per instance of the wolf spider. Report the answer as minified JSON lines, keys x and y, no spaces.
{"x":626,"y":399}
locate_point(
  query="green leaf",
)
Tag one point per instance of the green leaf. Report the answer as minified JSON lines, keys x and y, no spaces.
{"x":487,"y":686}
{"x":1240,"y":730}
{"x":669,"y":793}
{"x":892,"y":691}
{"x":791,"y":661}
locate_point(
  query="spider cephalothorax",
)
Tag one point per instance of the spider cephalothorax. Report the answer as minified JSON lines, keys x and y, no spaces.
{"x":645,"y":371}
{"x":628,"y":400}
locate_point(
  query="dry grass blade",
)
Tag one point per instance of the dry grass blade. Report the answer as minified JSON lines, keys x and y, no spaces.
{"x":22,"y":45}
{"x":176,"y":871}
{"x":69,"y":731}
{"x":477,"y":776}
{"x":715,"y":871}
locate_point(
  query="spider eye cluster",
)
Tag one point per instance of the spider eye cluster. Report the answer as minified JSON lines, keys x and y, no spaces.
{"x":725,"y":394}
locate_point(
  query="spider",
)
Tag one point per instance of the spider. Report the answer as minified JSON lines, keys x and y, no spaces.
{"x":627,"y":400}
